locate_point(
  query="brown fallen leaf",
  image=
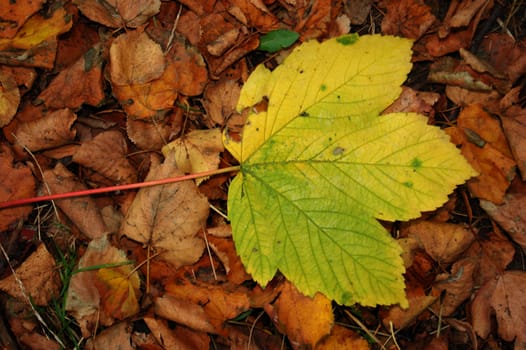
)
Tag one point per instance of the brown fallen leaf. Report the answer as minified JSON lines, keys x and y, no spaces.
{"x":436,"y":47}
{"x":117,"y":336}
{"x":504,"y":297}
{"x":418,"y":303}
{"x":255,"y":12}
{"x":444,"y":242}
{"x":78,"y":84}
{"x":51,"y":131}
{"x":102,"y":293}
{"x":15,"y":14}
{"x":220,"y":100}
{"x":183,"y":312}
{"x":37,"y":278}
{"x":506,"y":54}
{"x":343,"y":338}
{"x":514,"y":125}
{"x":185,"y":73}
{"x":453,"y":72}
{"x":293,"y":314}
{"x":9,"y":97}
{"x":510,"y":215}
{"x":484,"y":146}
{"x":180,"y":338}
{"x":457,"y":286}
{"x":37,"y":30}
{"x":407,"y":18}
{"x":168,"y":218}
{"x":493,"y":253}
{"x":461,"y":14}
{"x":414,"y":101}
{"x":82,"y":211}
{"x":135,"y":59}
{"x":114,"y":13}
{"x":219,"y":302}
{"x":16,"y":181}
{"x":107,"y":154}
{"x":153,"y":134}
{"x":197,"y":151}
{"x":224,"y":249}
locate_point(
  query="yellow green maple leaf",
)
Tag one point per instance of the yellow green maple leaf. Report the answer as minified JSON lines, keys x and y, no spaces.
{"x":319,"y":166}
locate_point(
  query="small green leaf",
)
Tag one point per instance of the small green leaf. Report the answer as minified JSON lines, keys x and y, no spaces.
{"x":320,"y":165}
{"x":277,"y":39}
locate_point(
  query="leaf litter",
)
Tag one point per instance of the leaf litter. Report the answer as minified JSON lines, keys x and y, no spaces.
{"x":98,"y":117}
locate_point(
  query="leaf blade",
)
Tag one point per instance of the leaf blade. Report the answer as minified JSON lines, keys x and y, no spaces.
{"x":292,"y":92}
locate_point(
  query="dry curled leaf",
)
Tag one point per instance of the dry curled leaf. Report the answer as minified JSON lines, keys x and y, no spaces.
{"x":504,"y":297}
{"x":407,"y":18}
{"x":50,"y":131}
{"x":39,"y":277}
{"x":16,"y":181}
{"x":78,"y":84}
{"x":82,"y":211}
{"x":9,"y":98}
{"x":197,"y":151}
{"x":106,"y":154}
{"x":114,"y":13}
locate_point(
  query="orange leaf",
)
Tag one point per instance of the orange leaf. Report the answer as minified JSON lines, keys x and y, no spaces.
{"x":303,"y":319}
{"x":38,"y":29}
{"x":119,"y":290}
{"x":15,"y":182}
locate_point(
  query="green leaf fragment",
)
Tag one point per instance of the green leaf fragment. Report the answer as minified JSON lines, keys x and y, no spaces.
{"x":277,"y":39}
{"x":320,"y":166}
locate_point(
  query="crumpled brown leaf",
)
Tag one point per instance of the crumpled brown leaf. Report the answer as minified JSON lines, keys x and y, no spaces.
{"x":514,"y":125}
{"x":221,"y":99}
{"x":458,"y":286}
{"x":9,"y":98}
{"x":106,"y":154}
{"x":50,"y":131}
{"x":168,"y":217}
{"x":197,"y":151}
{"x":179,"y":338}
{"x":78,"y":84}
{"x":15,"y":14}
{"x":39,"y":277}
{"x":407,"y":18}
{"x":444,"y":242}
{"x":493,"y":252}
{"x":219,"y":302}
{"x":153,"y":134}
{"x":484,"y":146}
{"x":503,"y":296}
{"x":135,"y":59}
{"x":115,"y":13}
{"x":510,"y":215}
{"x":16,"y":181}
{"x":144,"y":94}
{"x":82,"y":211}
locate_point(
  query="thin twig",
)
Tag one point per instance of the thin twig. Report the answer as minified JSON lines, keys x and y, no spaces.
{"x":168,"y":180}
{"x":365,"y":329}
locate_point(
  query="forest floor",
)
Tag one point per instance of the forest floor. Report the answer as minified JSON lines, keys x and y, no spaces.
{"x":92,"y":92}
